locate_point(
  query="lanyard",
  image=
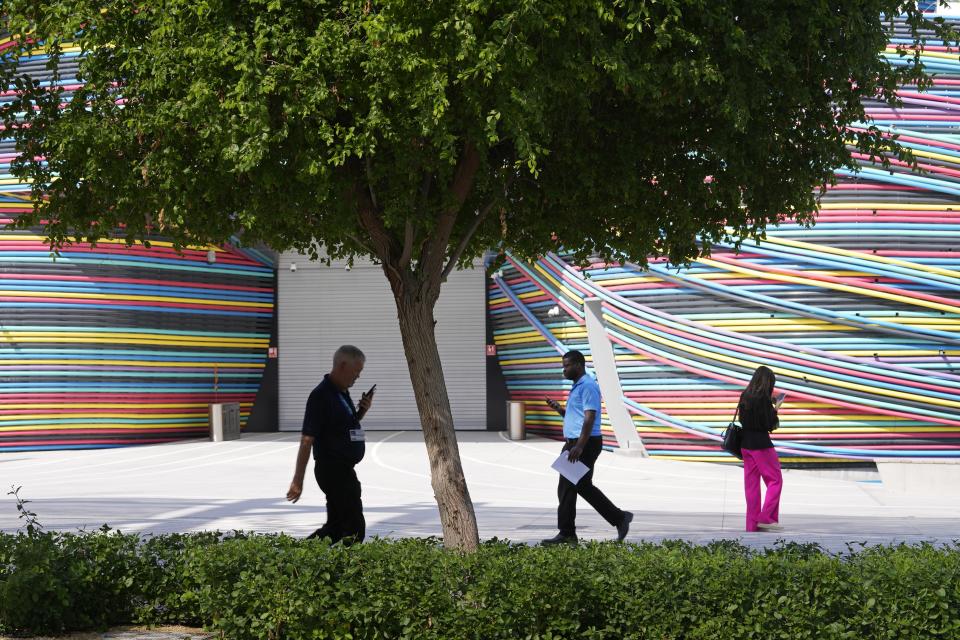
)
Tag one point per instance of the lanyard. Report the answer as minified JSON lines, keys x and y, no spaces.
{"x":347,"y":405}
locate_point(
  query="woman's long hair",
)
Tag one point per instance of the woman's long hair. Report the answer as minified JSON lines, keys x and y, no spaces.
{"x":761,"y":384}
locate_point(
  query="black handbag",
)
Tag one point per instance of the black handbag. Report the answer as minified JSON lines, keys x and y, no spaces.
{"x":732,"y":436}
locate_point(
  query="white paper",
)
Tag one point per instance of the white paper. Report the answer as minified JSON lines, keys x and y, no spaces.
{"x":572,"y":471}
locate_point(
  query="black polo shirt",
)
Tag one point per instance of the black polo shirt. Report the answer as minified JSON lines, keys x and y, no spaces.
{"x":329,"y":417}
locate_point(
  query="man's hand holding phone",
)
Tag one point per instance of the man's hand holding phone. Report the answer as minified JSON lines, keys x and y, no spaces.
{"x":366,"y":400}
{"x":553,"y":404}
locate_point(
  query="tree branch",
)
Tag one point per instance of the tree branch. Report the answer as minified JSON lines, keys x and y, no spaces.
{"x":465,"y":240}
{"x":425,"y":187}
{"x":372,"y":224}
{"x":408,"y":234}
{"x":361,"y":244}
{"x":373,"y":195}
{"x":383,"y":242}
{"x":435,"y":253}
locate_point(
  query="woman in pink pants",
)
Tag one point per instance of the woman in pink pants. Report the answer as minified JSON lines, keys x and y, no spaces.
{"x":758,"y":415}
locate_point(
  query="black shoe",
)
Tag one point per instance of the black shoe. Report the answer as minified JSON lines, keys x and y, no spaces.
{"x":560,"y":539}
{"x":624,"y":527}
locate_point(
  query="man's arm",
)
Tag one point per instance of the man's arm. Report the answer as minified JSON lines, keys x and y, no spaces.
{"x":303,"y":456}
{"x":585,"y":430}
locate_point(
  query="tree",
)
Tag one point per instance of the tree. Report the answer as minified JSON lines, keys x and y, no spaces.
{"x":422,"y":133}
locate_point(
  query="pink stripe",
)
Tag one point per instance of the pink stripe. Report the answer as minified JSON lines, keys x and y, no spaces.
{"x":136,"y":303}
{"x":164,"y":283}
{"x":192,"y":255}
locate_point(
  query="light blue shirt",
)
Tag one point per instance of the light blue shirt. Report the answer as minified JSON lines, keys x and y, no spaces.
{"x":584,"y":395}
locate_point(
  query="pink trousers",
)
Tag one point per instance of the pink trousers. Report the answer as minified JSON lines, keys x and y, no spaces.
{"x":761,"y":463}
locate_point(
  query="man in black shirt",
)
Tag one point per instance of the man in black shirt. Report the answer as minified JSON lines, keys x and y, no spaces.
{"x":331,"y":428}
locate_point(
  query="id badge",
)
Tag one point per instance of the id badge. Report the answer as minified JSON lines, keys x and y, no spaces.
{"x":357,"y":435}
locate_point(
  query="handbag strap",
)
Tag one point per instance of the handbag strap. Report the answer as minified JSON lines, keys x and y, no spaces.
{"x":736,"y":411}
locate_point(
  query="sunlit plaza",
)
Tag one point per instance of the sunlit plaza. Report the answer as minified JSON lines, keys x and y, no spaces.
{"x":200,"y":485}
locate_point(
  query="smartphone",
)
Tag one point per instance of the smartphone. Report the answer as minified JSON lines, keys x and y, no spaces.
{"x":372,"y":389}
{"x":779,"y":399}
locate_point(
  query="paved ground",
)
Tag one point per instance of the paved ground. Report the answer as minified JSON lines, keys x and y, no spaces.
{"x":199,"y":485}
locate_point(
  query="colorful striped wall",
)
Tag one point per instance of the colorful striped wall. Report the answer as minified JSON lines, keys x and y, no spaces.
{"x":108,"y":346}
{"x":859,"y":316}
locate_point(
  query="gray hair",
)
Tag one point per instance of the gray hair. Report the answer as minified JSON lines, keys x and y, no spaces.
{"x":348,"y":352}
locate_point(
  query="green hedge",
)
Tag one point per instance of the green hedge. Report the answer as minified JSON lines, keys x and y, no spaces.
{"x":278,"y":587}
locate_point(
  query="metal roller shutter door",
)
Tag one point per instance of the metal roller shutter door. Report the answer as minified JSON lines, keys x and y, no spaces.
{"x":321,"y":308}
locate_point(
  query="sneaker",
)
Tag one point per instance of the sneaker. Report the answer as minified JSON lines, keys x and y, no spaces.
{"x":560,"y":539}
{"x":624,"y":527}
{"x":769,"y":526}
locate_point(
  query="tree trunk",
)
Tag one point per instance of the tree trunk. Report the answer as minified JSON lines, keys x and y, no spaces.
{"x":429,"y":387}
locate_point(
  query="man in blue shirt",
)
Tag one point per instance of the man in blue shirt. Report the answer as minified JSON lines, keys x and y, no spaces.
{"x":331,"y":429}
{"x":581,"y":432}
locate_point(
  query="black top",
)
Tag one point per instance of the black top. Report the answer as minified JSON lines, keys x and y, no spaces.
{"x":329,"y":417}
{"x":758,"y":417}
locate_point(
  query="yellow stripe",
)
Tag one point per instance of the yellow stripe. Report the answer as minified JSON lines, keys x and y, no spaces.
{"x":113,"y":405}
{"x":110,"y":296}
{"x":774,"y":328}
{"x":179,"y":343}
{"x":925,"y":54}
{"x":838,"y":274}
{"x":510,"y":343}
{"x":117,"y":415}
{"x":44,"y":50}
{"x":554,"y":360}
{"x":936,"y":156}
{"x":97,"y":425}
{"x":120,"y":335}
{"x":549,"y":277}
{"x":630,"y":280}
{"x":136,"y":363}
{"x":563,"y":332}
{"x":113,"y":241}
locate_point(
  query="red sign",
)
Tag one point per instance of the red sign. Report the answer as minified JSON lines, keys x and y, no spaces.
{"x":491,"y":349}
{"x":271,"y":352}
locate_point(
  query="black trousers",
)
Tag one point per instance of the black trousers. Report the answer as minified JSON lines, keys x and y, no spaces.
{"x":567,"y":492}
{"x":340,"y":485}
